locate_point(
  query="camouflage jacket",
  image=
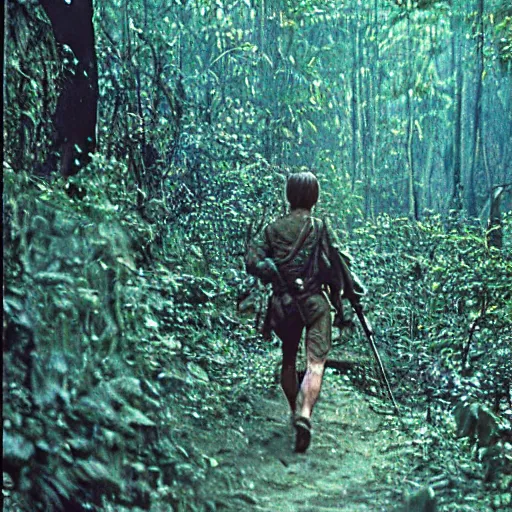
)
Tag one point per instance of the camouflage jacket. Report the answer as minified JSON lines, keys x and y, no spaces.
{"x":307,"y":256}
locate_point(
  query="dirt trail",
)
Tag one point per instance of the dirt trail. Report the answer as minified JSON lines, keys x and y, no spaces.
{"x":343,"y":470}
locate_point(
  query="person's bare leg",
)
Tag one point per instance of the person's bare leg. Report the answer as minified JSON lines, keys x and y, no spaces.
{"x":289,"y":383}
{"x":290,"y":335}
{"x":311,"y":385}
{"x":318,"y":344}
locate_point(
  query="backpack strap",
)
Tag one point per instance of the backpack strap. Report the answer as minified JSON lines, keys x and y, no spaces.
{"x":308,"y":227}
{"x":313,"y":263}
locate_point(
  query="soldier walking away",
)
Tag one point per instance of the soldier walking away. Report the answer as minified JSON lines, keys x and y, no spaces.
{"x":300,"y":256}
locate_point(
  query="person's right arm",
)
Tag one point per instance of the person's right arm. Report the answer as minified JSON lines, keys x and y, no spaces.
{"x":342,"y":282}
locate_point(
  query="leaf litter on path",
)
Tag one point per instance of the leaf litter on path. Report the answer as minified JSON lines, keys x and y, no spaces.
{"x":346,"y":467}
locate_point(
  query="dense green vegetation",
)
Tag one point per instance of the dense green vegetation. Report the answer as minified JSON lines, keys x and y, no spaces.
{"x":123,"y":348}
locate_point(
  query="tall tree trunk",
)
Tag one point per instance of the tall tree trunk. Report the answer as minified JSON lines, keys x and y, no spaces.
{"x":411,"y":178}
{"x":75,"y":116}
{"x":427,"y":173}
{"x":367,"y":110}
{"x":495,"y":224}
{"x":269,"y":32}
{"x":476,"y":162}
{"x":356,"y":100}
{"x":456,"y":201}
{"x":457,"y":141}
{"x":374,"y":87}
{"x":6,"y":25}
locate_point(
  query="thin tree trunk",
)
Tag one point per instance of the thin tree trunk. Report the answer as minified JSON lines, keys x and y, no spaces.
{"x":411,"y":178}
{"x":427,"y":173}
{"x":356,"y":116}
{"x":456,"y":202}
{"x":375,"y":93}
{"x":457,"y":142}
{"x":6,"y":25}
{"x":367,"y":116}
{"x":478,"y":125}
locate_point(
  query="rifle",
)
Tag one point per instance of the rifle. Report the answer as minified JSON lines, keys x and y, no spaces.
{"x":369,"y":335}
{"x":352,"y":290}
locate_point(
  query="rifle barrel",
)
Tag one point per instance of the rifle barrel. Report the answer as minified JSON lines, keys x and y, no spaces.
{"x":369,"y":336}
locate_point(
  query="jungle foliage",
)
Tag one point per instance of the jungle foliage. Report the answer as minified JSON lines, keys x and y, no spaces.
{"x":120,"y":332}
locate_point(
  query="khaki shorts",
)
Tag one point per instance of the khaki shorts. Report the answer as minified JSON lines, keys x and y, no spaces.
{"x":289,"y":326}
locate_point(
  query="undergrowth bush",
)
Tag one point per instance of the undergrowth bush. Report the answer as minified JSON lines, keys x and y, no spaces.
{"x":120,"y":328}
{"x":106,"y":353}
{"x":440,"y":299}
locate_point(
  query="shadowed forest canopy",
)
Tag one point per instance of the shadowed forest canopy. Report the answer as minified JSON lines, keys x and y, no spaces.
{"x":145,"y":143}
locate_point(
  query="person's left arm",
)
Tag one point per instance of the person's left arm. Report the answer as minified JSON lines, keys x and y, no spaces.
{"x":258,"y":261}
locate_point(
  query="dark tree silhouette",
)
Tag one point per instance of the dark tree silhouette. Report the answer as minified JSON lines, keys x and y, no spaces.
{"x":75,"y":116}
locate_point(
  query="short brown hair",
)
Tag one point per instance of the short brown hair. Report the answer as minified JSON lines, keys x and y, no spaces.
{"x":302,"y":190}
